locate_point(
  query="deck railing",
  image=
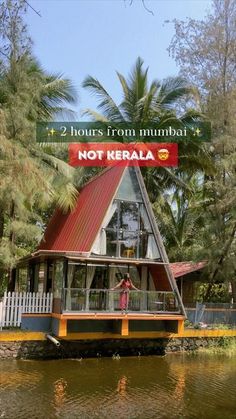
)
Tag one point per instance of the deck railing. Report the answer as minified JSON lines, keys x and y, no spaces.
{"x":104,"y":300}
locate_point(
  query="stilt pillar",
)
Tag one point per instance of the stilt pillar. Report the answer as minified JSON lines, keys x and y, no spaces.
{"x":125,"y":327}
{"x":180,"y":327}
{"x":62,"y":332}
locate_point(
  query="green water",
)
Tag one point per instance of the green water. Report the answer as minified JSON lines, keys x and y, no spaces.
{"x":175,"y":386}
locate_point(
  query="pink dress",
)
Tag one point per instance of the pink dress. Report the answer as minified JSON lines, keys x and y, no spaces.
{"x":124,"y":295}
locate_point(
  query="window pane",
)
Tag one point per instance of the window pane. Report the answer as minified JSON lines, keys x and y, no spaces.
{"x":144,"y":220}
{"x":129,"y":189}
{"x":111,"y":239}
{"x":22,"y":282}
{"x":135,"y":277}
{"x":128,"y":244}
{"x":58,"y":279}
{"x":100,"y":279}
{"x":143,"y":242}
{"x":129,"y":216}
{"x":114,"y":221}
{"x":79,"y":276}
{"x":152,"y":249}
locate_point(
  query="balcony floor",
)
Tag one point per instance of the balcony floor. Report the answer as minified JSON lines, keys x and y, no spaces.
{"x":70,"y":315}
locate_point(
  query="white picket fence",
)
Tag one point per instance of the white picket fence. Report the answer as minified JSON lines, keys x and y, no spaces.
{"x":14,"y":304}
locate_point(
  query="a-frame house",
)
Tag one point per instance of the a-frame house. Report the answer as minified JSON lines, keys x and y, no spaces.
{"x":85,"y":253}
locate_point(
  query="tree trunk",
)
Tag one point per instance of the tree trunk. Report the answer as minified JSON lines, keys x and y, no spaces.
{"x":1,"y":224}
{"x":11,"y":277}
{"x":233,"y":286}
{"x":1,"y":236}
{"x":208,"y":292}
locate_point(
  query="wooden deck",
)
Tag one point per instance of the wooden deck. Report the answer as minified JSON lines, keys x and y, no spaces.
{"x":118,"y":316}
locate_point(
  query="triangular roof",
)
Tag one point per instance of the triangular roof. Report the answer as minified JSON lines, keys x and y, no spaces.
{"x":76,"y":231}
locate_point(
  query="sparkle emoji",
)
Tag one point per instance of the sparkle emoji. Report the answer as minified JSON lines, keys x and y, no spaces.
{"x":163,"y":154}
{"x":51,"y":131}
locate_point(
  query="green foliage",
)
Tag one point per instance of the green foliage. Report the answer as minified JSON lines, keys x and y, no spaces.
{"x":223,"y":346}
{"x":219,"y":292}
{"x":162,"y":103}
{"x":31,"y":179}
{"x":205,"y":51}
{"x":180,"y":219}
{"x":187,"y":324}
{"x":222,"y":326}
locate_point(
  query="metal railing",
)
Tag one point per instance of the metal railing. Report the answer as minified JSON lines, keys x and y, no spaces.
{"x":212,"y":313}
{"x":105,"y":300}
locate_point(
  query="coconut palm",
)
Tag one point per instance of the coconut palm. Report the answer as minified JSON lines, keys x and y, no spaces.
{"x":181,"y":220}
{"x":161,"y":104}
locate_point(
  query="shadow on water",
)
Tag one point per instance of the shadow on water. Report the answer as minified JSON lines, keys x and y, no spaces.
{"x":90,"y":349}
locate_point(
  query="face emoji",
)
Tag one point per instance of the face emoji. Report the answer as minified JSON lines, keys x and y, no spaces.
{"x":163,"y":154}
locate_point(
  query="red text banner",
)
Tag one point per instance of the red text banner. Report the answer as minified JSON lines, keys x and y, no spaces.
{"x":132,"y":154}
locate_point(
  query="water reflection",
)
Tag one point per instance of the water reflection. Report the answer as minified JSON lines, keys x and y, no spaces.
{"x":177,"y":386}
{"x":60,"y":392}
{"x":122,"y":383}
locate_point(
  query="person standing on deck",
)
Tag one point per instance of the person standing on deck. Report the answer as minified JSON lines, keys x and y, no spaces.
{"x":125,"y":284}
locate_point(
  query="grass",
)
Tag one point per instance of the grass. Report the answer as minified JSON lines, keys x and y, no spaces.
{"x":213,"y":326}
{"x":224,"y":345}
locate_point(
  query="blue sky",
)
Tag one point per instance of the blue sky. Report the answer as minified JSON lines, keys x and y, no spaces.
{"x":98,"y":37}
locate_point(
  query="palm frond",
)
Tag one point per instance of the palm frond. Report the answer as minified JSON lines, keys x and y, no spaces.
{"x":59,"y":90}
{"x":107,"y":104}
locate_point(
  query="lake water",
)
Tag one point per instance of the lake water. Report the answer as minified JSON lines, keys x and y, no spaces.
{"x":174,"y":386}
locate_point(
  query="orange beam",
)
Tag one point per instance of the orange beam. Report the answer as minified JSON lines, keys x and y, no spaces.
{"x":125,"y":327}
{"x":180,"y":327}
{"x":152,"y":335}
{"x":62,"y":332}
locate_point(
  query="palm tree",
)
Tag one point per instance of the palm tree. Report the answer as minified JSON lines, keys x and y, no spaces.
{"x":181,"y":221}
{"x":161,"y":104}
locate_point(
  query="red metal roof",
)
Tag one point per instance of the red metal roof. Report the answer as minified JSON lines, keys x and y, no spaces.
{"x":184,"y":268}
{"x":77,"y":230}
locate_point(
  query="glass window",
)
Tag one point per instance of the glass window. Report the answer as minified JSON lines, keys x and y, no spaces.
{"x":79,"y":276}
{"x":135,"y":277}
{"x":128,"y":244}
{"x":111,"y":243}
{"x":129,"y":189}
{"x":143,"y":243}
{"x":152,"y":249}
{"x":100,"y":279}
{"x":58,"y":279}
{"x":145,"y":224}
{"x":116,"y":274}
{"x":22,"y":280}
{"x":41,"y":278}
{"x":128,"y":233}
{"x":129,"y":216}
{"x":49,"y":277}
{"x":114,"y":220}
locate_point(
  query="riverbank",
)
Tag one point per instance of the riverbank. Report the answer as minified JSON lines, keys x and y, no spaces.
{"x":34,"y":345}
